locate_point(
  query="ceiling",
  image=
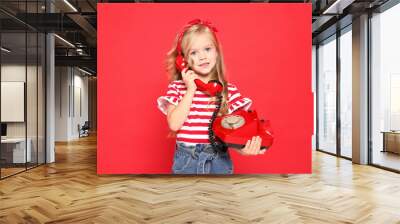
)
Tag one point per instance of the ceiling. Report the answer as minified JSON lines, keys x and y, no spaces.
{"x":76,"y":22}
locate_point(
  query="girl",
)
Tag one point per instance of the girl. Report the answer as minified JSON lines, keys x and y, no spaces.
{"x":189,"y":110}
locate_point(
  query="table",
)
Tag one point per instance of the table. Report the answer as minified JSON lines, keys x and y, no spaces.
{"x":13,"y":150}
{"x":391,"y":141}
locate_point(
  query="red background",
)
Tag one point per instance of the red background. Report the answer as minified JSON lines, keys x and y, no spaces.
{"x":267,"y":50}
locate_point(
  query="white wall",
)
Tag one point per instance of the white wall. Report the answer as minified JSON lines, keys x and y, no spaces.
{"x":314,"y":91}
{"x":61,"y":103}
{"x":71,"y":94}
{"x":81,"y":84}
{"x":13,"y":73}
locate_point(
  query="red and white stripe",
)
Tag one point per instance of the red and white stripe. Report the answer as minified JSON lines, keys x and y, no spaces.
{"x":195,"y":129}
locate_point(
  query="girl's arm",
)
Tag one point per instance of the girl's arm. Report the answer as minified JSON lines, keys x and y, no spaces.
{"x":177,"y":115}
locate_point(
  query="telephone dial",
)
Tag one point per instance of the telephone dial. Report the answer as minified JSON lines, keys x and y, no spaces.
{"x":236,"y":128}
{"x":231,"y":130}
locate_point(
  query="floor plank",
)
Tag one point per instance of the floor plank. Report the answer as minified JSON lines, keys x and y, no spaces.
{"x":70,"y":191}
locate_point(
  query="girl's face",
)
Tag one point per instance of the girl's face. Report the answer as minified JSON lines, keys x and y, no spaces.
{"x":202,"y":54}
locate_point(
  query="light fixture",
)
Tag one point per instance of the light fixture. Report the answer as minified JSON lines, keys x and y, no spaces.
{"x":5,"y":50}
{"x":337,"y":7}
{"x":70,"y":5}
{"x":64,"y":40}
{"x":80,"y":51}
{"x":84,"y":71}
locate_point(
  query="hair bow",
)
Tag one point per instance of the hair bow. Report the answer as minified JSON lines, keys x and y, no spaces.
{"x":195,"y":22}
{"x":202,"y":22}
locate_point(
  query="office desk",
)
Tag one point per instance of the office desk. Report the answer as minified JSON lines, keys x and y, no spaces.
{"x":13,"y":150}
{"x":391,"y":141}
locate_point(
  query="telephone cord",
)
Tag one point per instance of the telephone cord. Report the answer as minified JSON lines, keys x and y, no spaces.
{"x":215,"y":142}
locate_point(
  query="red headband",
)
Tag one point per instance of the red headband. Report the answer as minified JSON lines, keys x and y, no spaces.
{"x":190,"y":24}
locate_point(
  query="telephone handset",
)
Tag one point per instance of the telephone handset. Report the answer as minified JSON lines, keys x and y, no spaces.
{"x":212,"y":88}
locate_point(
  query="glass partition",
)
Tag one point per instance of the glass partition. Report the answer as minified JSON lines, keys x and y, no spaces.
{"x":385,"y":89}
{"x":14,"y":153}
{"x":327,"y":95}
{"x":22,"y":78}
{"x":346,"y":93}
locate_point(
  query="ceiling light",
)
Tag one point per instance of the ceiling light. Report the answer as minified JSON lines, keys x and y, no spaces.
{"x":64,"y":40}
{"x":70,"y":5}
{"x":5,"y":50}
{"x":84,"y":71}
{"x":337,"y":7}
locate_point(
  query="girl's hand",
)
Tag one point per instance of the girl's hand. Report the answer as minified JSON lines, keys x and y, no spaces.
{"x":252,"y":147}
{"x":188,"y":77}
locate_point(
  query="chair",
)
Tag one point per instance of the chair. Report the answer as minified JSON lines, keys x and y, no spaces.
{"x":84,"y":130}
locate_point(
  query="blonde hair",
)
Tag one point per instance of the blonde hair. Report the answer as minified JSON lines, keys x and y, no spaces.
{"x":217,"y":73}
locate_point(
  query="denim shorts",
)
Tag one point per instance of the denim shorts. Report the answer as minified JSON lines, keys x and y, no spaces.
{"x":200,"y":159}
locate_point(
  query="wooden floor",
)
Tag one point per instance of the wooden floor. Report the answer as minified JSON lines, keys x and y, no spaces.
{"x":70,"y":191}
{"x":5,"y":172}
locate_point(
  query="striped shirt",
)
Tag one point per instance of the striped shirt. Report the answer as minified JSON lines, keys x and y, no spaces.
{"x":195,"y":129}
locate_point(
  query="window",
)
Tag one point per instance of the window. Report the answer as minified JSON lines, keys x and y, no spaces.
{"x":385,"y":88}
{"x":327,"y":95}
{"x":346,"y":74}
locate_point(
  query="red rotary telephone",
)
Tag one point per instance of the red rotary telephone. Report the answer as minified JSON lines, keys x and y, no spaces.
{"x":236,"y":128}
